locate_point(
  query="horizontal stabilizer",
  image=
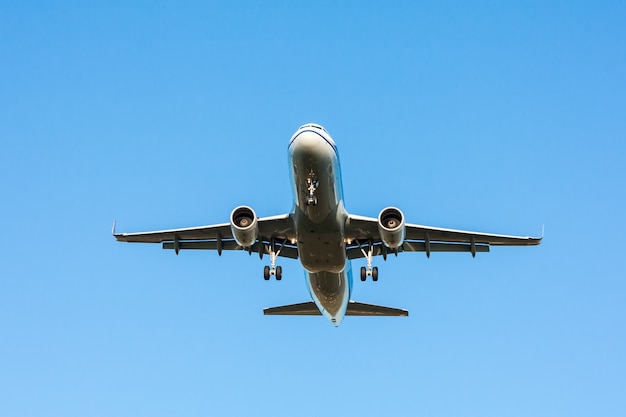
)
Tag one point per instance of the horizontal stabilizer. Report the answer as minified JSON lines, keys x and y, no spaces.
{"x":302,"y":309}
{"x":362,"y":309}
{"x":354,"y":309}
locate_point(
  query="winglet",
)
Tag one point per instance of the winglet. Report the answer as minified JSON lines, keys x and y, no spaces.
{"x":543,"y":228}
{"x":113,"y":230}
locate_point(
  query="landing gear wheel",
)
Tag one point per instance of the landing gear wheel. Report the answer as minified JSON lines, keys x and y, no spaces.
{"x":312,"y":184}
{"x":266,"y":273}
{"x":279,"y":273}
{"x":375,"y":273}
{"x":363,"y":274}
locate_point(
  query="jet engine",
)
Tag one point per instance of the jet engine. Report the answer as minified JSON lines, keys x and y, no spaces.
{"x":243,"y":223}
{"x":391,"y":227}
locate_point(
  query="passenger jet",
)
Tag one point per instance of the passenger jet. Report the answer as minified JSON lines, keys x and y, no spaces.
{"x":323,"y":235}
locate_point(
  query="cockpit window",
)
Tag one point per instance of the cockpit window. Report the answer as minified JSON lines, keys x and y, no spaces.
{"x":313,"y":125}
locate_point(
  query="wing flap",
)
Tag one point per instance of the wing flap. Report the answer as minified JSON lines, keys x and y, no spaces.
{"x":285,"y":251}
{"x":355,"y":252}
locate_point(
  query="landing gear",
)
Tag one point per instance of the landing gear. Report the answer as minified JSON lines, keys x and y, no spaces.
{"x":369,"y":271}
{"x":268,"y":272}
{"x":274,"y":270}
{"x":372,"y":273}
{"x":312,"y":184}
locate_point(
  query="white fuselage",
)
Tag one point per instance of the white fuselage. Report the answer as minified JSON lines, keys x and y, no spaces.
{"x":320,"y":218}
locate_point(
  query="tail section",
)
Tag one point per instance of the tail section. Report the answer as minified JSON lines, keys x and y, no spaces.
{"x":354,"y":309}
{"x":362,"y":309}
{"x":302,"y":309}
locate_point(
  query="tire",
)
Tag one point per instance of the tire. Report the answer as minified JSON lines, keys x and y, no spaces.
{"x":375,"y":274}
{"x":279,"y":273}
{"x":363,"y":274}
{"x":266,"y":273}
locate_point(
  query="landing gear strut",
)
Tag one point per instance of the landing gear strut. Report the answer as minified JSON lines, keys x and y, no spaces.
{"x":369,"y":271}
{"x":312,"y":184}
{"x":274,"y":270}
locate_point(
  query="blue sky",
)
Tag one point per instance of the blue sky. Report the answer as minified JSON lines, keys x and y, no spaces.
{"x":476,"y":115}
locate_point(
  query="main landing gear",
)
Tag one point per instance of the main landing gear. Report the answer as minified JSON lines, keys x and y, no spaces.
{"x":277,"y":272}
{"x":312,"y":184}
{"x":274,"y":270}
{"x":369,"y":271}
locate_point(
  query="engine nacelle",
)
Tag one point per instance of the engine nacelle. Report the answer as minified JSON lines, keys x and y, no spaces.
{"x":391,"y":227}
{"x":243,"y":224}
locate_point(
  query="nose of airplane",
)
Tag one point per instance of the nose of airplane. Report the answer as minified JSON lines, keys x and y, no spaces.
{"x":308,"y":141}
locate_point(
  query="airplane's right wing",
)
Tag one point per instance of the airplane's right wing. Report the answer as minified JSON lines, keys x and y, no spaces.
{"x":277,"y":230}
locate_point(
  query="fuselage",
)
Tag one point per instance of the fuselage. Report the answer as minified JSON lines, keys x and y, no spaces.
{"x":320,"y":217}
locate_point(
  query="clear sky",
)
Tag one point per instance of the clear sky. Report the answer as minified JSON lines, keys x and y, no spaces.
{"x":476,"y":115}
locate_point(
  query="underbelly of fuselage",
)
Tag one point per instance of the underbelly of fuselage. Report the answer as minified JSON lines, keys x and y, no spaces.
{"x":320,"y":218}
{"x":322,"y":253}
{"x":319,"y":213}
{"x":321,"y":247}
{"x":330,"y":292}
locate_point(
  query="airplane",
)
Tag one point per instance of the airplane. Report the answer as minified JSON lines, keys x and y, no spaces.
{"x":323,"y":235}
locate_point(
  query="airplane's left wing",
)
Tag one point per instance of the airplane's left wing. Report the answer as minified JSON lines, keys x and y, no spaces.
{"x":363,"y":231}
{"x":277,"y":230}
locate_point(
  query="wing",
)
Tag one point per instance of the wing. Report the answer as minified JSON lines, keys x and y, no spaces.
{"x":277,"y":230}
{"x":364,"y":231}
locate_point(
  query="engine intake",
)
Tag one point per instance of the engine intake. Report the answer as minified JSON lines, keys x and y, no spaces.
{"x":243,"y":224}
{"x":391,"y":227}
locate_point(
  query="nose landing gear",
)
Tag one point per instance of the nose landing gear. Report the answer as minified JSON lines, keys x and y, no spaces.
{"x":312,"y":184}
